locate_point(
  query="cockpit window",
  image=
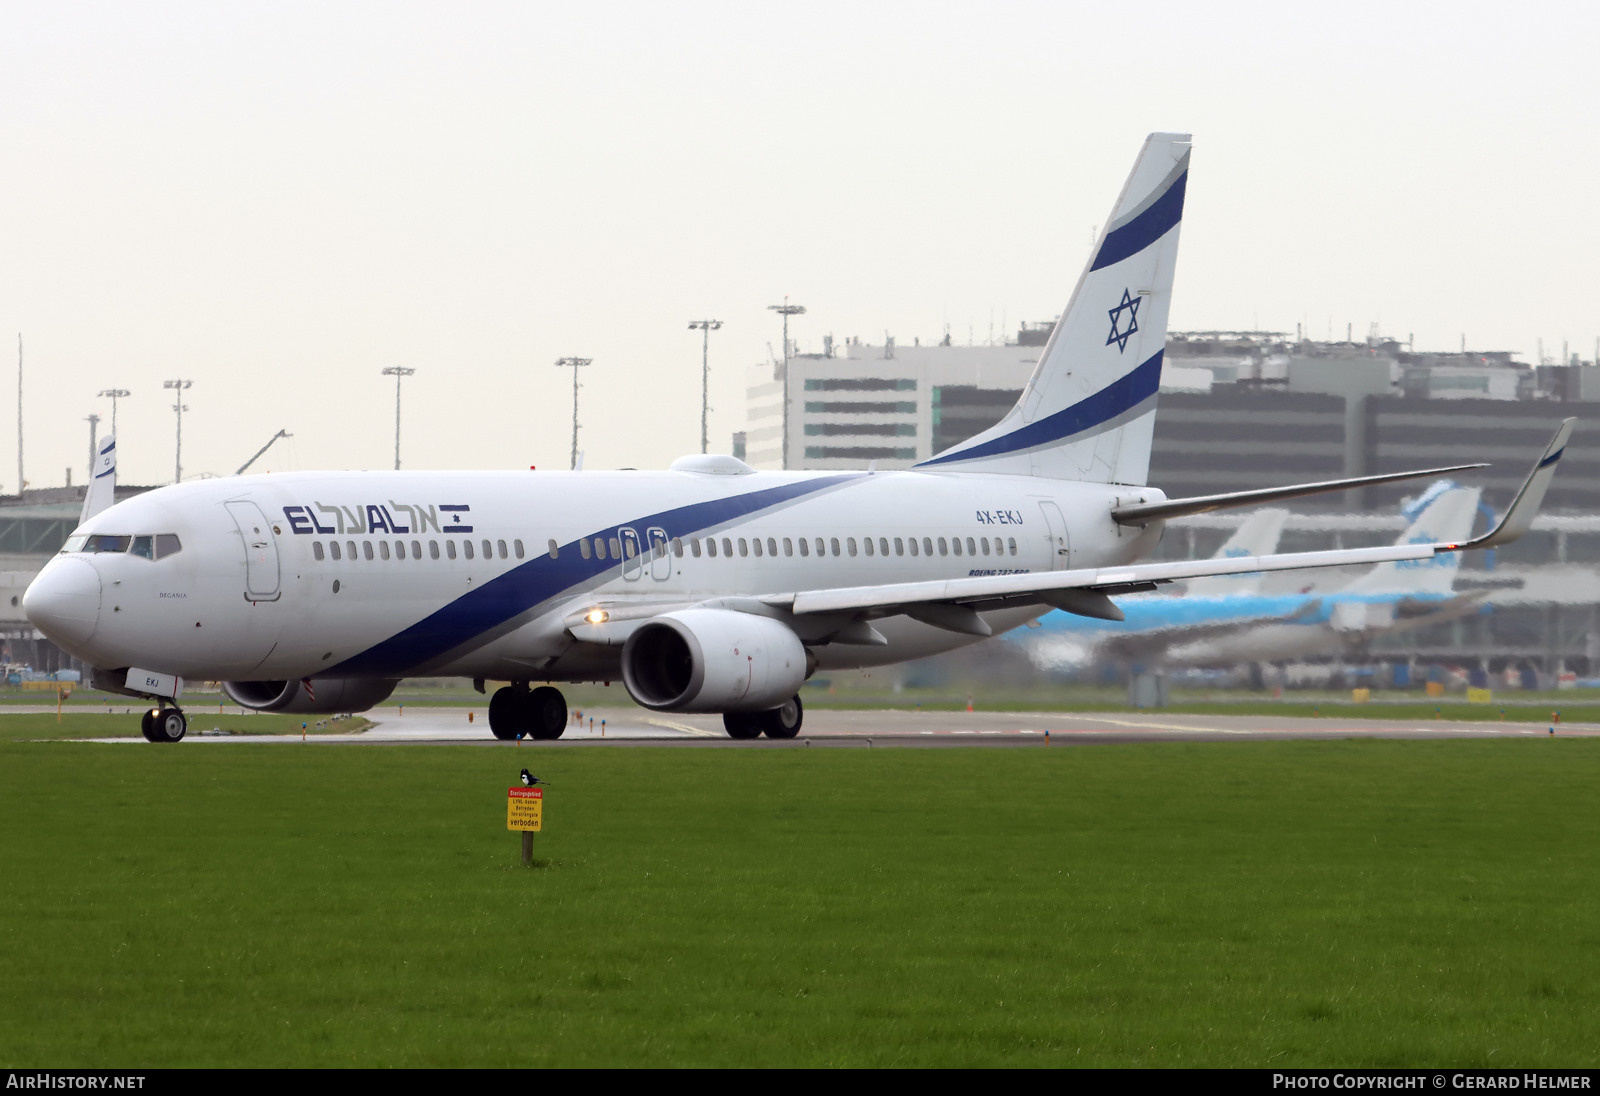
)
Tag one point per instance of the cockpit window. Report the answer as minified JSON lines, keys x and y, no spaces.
{"x":75,"y":544}
{"x":167,"y":544}
{"x":143,"y":546}
{"x":147,"y":547}
{"x":104,"y":542}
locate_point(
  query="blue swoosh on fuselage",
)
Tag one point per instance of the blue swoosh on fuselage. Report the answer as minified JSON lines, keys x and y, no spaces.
{"x":529,"y":584}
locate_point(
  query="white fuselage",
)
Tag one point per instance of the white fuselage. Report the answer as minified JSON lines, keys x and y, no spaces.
{"x":452,"y":573}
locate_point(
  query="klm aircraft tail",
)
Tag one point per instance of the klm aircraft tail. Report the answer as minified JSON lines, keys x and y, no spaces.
{"x":1446,"y":519}
{"x":1089,"y":409}
{"x":1257,"y":536}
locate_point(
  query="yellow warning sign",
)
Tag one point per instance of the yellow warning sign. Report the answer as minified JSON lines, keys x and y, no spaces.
{"x":525,"y":809}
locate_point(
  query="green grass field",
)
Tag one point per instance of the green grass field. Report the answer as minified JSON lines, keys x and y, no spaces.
{"x":1273,"y":904}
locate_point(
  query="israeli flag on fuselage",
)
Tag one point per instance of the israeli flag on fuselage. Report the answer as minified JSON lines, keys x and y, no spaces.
{"x":1088,"y":412}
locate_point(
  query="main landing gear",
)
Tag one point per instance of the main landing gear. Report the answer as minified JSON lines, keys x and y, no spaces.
{"x":780,"y":722}
{"x":164,"y":724}
{"x":515,"y":712}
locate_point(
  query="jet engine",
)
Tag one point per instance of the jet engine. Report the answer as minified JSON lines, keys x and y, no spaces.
{"x":321,"y":696}
{"x":713,"y":660}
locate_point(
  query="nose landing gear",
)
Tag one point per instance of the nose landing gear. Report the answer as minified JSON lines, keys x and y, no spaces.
{"x":164,"y":724}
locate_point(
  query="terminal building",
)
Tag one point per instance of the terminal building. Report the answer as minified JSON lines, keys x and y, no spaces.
{"x":1256,"y":409}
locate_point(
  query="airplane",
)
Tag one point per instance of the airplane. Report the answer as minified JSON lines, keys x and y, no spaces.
{"x":1233,"y":627}
{"x":707,"y":587}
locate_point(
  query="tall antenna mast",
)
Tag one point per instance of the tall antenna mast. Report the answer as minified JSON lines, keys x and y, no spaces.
{"x":706,"y":326}
{"x":576,"y":364}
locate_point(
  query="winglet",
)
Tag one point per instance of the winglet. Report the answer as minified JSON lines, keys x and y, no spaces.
{"x":102,"y":490}
{"x":1525,"y":507}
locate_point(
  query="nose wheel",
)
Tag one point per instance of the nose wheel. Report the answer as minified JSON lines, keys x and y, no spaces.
{"x":164,"y":725}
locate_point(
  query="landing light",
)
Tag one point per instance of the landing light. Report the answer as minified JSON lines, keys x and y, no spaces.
{"x":597,"y":616}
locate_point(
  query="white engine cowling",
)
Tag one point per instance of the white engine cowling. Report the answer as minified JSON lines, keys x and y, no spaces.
{"x":713,"y":660}
{"x":326,"y":695}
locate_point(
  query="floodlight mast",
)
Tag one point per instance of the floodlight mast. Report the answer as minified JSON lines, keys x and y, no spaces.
{"x":786,"y":310}
{"x":177,"y":461}
{"x":94,"y":437}
{"x":397,"y":372}
{"x":115,"y":394}
{"x":576,"y":364}
{"x":706,"y":326}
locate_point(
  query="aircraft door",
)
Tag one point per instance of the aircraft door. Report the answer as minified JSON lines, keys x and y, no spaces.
{"x":660,"y":557}
{"x":261,"y":575}
{"x":632,"y":562}
{"x":1060,"y":547}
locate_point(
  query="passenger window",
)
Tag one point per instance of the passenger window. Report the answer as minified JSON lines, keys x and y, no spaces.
{"x":985,"y":542}
{"x":805,"y":547}
{"x":727,"y":547}
{"x":913,"y":545}
{"x":433,"y":549}
{"x":758,"y":545}
{"x":820,"y":549}
{"x":504,"y":554}
{"x":927,"y":546}
{"x":744,"y":549}
{"x":694,"y":547}
{"x":583,"y":547}
{"x":366,"y":548}
{"x":516,"y":546}
{"x":488,"y":549}
{"x":383,"y":549}
{"x":466,"y":548}
{"x":599,"y":548}
{"x":899,"y":547}
{"x":788,"y":546}
{"x":772,"y":546}
{"x":555,"y":550}
{"x":316,"y":549}
{"x":416,"y":549}
{"x":677,"y":547}
{"x":450,"y":549}
{"x":711,"y":547}
{"x":1011,"y":543}
{"x":972,"y":549}
{"x":834,"y":542}
{"x":350,"y":549}
{"x":955,"y":543}
{"x":630,"y":549}
{"x":616,"y":548}
{"x":883,"y":546}
{"x":333,"y":548}
{"x":399,"y":549}
{"x":867,"y":543}
{"x":943,"y":548}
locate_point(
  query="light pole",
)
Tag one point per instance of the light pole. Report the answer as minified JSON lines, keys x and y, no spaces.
{"x":177,"y":461}
{"x":706,"y":326}
{"x":94,"y":425}
{"x":397,"y":372}
{"x":115,"y":394}
{"x":786,"y":310}
{"x":576,"y":364}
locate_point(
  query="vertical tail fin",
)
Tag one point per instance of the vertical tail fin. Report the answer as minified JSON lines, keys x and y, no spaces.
{"x":102,"y":491}
{"x":1089,"y":409}
{"x":1257,"y":536}
{"x":1447,"y":519}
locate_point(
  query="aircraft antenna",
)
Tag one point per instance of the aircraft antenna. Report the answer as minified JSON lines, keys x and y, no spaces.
{"x":786,"y":310}
{"x":397,"y":372}
{"x":576,"y":364}
{"x":180,"y":408}
{"x":707,"y":327}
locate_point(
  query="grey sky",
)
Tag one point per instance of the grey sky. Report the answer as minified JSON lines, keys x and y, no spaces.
{"x":279,"y":200}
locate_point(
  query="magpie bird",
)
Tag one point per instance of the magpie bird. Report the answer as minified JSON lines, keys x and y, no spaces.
{"x":529,"y":780}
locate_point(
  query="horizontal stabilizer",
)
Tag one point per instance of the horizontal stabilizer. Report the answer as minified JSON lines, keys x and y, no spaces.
{"x":1144,"y":513}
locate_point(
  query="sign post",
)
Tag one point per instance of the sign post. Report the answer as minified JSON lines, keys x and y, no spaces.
{"x":525,"y":812}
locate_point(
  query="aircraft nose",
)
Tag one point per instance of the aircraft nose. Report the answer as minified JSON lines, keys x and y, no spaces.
{"x":64,"y":601}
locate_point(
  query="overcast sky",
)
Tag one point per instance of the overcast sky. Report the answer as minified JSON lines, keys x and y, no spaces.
{"x":280,"y":200}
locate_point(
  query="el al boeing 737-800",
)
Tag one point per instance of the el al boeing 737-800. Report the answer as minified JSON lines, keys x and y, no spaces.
{"x":708,"y":587}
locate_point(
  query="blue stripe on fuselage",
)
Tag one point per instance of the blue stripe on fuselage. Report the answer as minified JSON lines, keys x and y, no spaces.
{"x":507,"y":596}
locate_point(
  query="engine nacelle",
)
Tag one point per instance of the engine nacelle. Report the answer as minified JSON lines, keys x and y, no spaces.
{"x":336,"y":694}
{"x":713,"y":660}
